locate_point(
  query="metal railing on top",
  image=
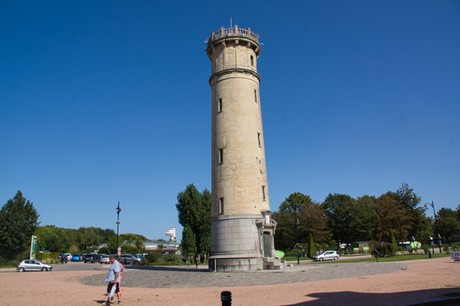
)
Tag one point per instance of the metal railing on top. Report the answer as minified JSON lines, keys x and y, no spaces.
{"x":234,"y":31}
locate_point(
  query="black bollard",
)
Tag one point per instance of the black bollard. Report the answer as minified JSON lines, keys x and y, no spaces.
{"x":429,"y":254}
{"x":226,"y":298}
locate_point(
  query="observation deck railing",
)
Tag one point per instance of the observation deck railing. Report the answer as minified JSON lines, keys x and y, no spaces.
{"x":235,"y":31}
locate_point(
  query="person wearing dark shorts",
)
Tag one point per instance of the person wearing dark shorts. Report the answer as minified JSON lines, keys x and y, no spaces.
{"x":112,"y":279}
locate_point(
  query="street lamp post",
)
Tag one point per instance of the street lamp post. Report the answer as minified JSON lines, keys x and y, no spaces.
{"x":435,"y":219}
{"x":297,"y":222}
{"x":118,"y":229}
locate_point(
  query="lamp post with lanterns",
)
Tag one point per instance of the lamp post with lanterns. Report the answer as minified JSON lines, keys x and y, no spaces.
{"x":118,"y":230}
{"x":435,"y":219}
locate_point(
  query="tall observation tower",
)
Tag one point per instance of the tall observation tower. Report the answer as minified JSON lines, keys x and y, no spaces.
{"x":242,"y":228}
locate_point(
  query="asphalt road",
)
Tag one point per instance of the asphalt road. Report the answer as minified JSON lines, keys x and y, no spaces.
{"x":70,"y":266}
{"x":80,"y":266}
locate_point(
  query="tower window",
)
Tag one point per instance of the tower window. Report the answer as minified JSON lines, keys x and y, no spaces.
{"x":252,"y":60}
{"x":221,"y":156}
{"x":221,"y":206}
{"x":219,"y":105}
{"x":263,"y":194}
{"x":259,"y":140}
{"x":255,"y":95}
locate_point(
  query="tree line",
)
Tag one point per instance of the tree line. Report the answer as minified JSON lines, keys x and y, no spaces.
{"x":343,"y":220}
{"x":86,"y":240}
{"x":19,"y":221}
{"x":339,"y":220}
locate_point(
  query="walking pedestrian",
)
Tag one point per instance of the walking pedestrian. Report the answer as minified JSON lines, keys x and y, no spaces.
{"x":112,"y":279}
{"x":122,"y":270}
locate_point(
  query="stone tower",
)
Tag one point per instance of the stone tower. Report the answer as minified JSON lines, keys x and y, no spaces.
{"x":242,"y":228}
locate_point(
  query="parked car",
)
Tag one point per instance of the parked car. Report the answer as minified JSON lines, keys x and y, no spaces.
{"x":104,"y":259}
{"x":77,"y":257}
{"x":92,"y":258}
{"x":63,"y":258}
{"x":33,"y":265}
{"x":129,"y":259}
{"x":69,"y":256}
{"x":328,"y":255}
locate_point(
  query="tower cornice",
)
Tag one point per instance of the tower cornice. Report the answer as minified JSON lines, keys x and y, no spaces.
{"x":233,"y":70}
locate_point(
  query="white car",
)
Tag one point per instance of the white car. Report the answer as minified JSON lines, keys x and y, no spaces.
{"x":33,"y":265}
{"x":328,"y":255}
{"x":104,"y":259}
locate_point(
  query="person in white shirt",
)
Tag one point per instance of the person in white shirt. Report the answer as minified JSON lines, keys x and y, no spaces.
{"x":112,"y":279}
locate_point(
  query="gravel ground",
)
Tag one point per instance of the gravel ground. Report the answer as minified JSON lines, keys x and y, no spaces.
{"x":190,"y":277}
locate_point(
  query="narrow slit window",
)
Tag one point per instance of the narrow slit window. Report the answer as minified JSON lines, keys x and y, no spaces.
{"x":219,"y":105}
{"x":255,"y":95}
{"x":221,"y":155}
{"x":221,"y":206}
{"x":252,"y":60}
{"x":263,"y":194}
{"x":259,"y":140}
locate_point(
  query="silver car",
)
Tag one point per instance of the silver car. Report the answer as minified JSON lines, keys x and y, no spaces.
{"x":328,"y":255}
{"x":33,"y":265}
{"x":104,"y":259}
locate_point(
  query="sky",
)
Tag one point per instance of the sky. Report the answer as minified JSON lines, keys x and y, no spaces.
{"x":109,"y":101}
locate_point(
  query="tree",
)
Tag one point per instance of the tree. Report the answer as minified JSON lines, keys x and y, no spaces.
{"x":285,"y":237}
{"x":407,"y":197}
{"x":393,"y":245}
{"x":89,"y":237}
{"x":132,"y":243}
{"x":18,"y":221}
{"x":410,"y":201}
{"x":366,"y":218}
{"x":311,"y":247}
{"x":313,"y":222}
{"x":288,"y":232}
{"x":339,"y":209}
{"x":194,"y":210}
{"x":447,"y":224}
{"x":188,"y":242}
{"x":394,"y":218}
{"x":48,"y":238}
{"x":298,"y":218}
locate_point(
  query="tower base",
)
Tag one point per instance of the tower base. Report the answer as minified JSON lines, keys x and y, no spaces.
{"x":241,"y":243}
{"x":236,"y":264}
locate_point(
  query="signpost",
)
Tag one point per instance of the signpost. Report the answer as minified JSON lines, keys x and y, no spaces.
{"x":455,"y":255}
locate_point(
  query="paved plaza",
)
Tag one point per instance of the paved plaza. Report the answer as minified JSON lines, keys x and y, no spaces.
{"x":415,"y":282}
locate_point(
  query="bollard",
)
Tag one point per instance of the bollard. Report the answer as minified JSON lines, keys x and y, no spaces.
{"x":226,"y":298}
{"x":429,"y":254}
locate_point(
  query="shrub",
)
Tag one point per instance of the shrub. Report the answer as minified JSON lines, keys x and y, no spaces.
{"x":380,"y":248}
{"x":151,"y":257}
{"x":50,"y":258}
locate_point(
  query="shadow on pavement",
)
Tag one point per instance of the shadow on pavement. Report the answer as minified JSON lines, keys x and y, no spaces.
{"x":169,"y":268}
{"x":429,"y":297}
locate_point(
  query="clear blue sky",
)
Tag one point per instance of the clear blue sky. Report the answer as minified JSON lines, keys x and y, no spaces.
{"x":107,"y":101}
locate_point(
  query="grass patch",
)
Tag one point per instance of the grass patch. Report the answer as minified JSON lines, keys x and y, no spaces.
{"x":384,"y":259}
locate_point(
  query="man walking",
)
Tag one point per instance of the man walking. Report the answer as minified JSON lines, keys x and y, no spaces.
{"x":112,"y":279}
